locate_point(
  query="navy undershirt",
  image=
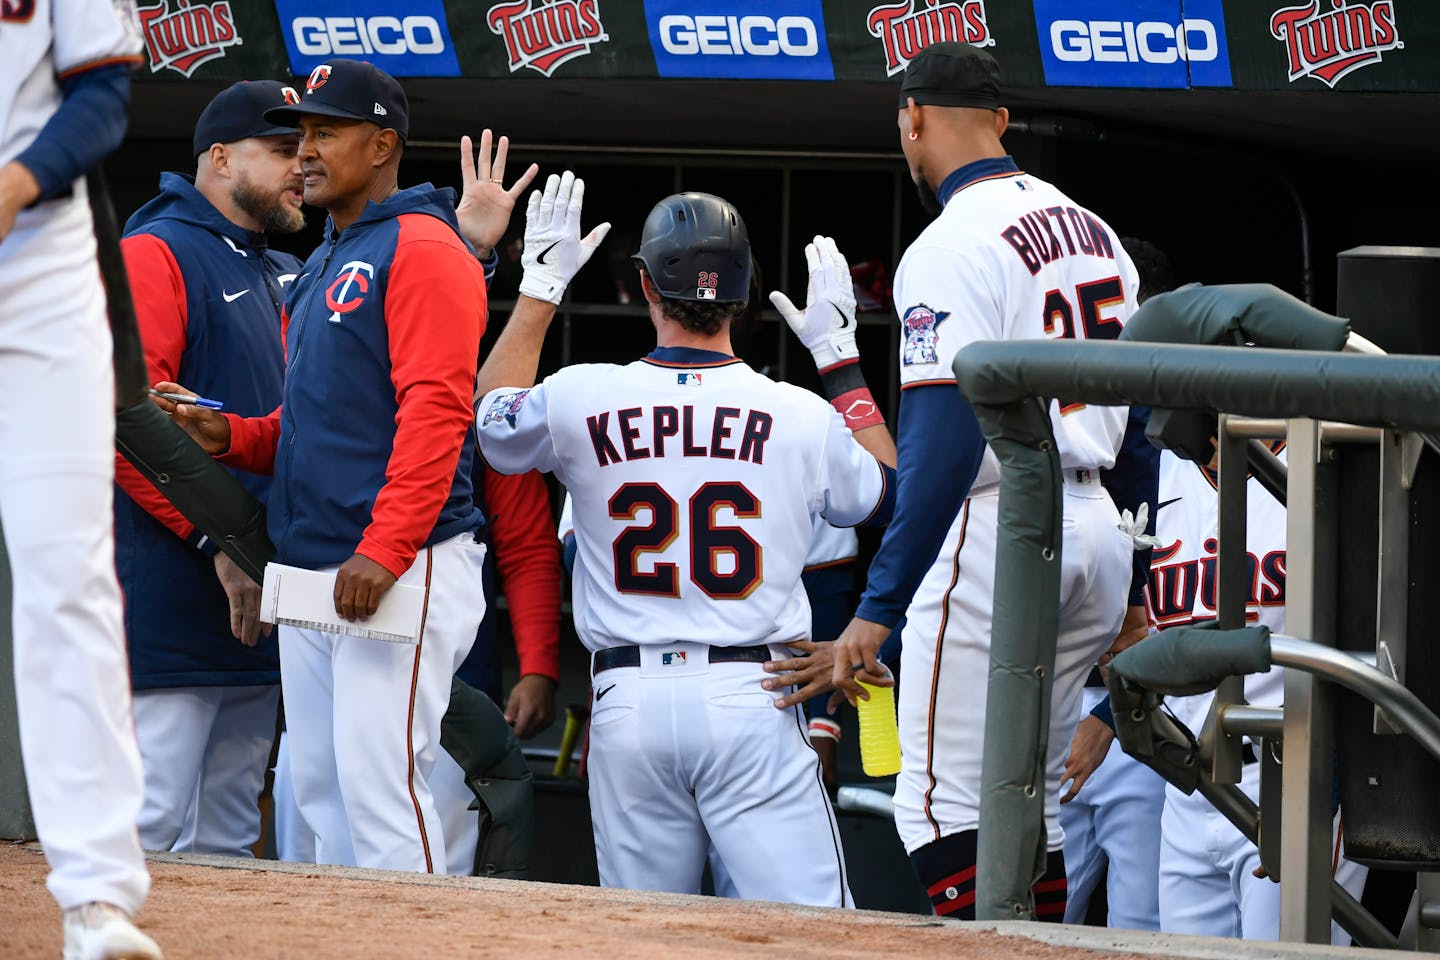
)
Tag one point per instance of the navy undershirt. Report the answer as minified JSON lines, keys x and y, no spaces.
{"x":86,"y":128}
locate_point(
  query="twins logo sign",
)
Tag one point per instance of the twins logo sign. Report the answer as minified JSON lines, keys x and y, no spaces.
{"x":1133,"y":43}
{"x":921,"y":336}
{"x":542,"y":36}
{"x":777,"y":40}
{"x":348,"y":289}
{"x":1331,"y":44}
{"x":909,"y":26}
{"x":186,"y":37}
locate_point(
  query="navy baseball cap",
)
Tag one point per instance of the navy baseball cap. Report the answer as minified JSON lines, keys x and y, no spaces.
{"x":952,"y":75}
{"x":238,"y":112}
{"x":351,"y":89}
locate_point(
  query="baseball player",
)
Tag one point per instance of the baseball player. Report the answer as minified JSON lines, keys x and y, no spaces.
{"x":371,"y":455}
{"x":1009,"y":257}
{"x":1208,"y":882}
{"x":207,"y":289}
{"x":64,"y":85}
{"x":694,"y":479}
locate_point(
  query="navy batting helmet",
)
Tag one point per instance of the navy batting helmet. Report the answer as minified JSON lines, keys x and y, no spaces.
{"x":695,"y":247}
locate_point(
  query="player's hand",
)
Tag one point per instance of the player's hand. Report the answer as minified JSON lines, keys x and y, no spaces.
{"x":856,"y":656}
{"x":359,"y":585}
{"x":827,"y":324}
{"x":18,"y":189}
{"x":485,"y":205}
{"x":554,"y":249}
{"x":809,"y":672}
{"x":1136,"y":627}
{"x":530,"y":708}
{"x":1087,"y":752}
{"x":207,"y":427}
{"x":244,"y":596}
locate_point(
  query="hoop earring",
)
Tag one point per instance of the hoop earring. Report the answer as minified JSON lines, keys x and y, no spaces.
{"x":914,"y":135}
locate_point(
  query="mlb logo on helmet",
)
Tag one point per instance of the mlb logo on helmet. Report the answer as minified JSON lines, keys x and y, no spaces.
{"x":1133,"y":43}
{"x":707,"y":284}
{"x":406,"y":38}
{"x":776,"y":39}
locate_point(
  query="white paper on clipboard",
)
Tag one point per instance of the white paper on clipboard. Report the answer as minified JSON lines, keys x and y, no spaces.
{"x":306,"y":598}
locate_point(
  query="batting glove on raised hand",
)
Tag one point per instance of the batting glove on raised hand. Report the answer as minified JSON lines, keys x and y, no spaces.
{"x":827,"y":324}
{"x":554,"y":250}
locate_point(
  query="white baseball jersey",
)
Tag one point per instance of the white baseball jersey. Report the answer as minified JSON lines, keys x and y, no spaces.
{"x":1013,"y":258}
{"x":42,"y":42}
{"x":72,"y":685}
{"x":694,"y":487}
{"x":1183,"y":579}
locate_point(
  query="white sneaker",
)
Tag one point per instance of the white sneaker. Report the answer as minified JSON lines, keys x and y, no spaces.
{"x":102,"y":931}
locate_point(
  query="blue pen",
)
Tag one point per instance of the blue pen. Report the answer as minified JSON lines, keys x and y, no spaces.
{"x":195,"y":401}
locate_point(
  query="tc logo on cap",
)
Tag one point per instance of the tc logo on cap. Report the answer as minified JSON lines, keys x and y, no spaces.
{"x":318,"y":78}
{"x":290,"y":95}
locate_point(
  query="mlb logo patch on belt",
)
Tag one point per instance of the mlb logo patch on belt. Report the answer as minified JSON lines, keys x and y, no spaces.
{"x":673,"y":658}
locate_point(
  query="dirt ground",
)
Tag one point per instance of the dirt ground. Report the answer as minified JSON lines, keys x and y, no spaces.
{"x":208,"y":912}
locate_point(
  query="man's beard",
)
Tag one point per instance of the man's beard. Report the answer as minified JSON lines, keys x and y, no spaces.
{"x":270,"y":209}
{"x":929,"y":201}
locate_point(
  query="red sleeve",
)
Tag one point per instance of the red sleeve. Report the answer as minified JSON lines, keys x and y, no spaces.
{"x":434,"y":316}
{"x":527,"y":554}
{"x":160,"y":314}
{"x":254,"y":440}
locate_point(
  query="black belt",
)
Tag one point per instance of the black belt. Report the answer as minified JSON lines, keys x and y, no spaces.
{"x":630,"y":656}
{"x":1095,"y":680}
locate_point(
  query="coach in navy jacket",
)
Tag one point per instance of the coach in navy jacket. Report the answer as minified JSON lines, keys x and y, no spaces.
{"x":371,"y":452}
{"x":207,"y":289}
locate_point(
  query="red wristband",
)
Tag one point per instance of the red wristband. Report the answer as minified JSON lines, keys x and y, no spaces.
{"x":823,"y":727}
{"x":858,"y":408}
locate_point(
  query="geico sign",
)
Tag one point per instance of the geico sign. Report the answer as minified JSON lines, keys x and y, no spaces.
{"x":758,"y":36}
{"x":1124,"y":41}
{"x":327,"y":36}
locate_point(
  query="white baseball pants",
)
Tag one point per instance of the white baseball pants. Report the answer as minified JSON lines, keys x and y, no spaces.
{"x":1207,"y":881}
{"x":1114,"y":820}
{"x":204,"y":750}
{"x":72,"y":678}
{"x":363,"y":720}
{"x":689,"y":754}
{"x":294,"y":840}
{"x":945,"y":660}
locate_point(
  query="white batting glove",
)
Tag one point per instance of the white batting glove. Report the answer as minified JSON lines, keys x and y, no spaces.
{"x":1134,"y":527}
{"x":827,"y":324}
{"x":554,"y":250}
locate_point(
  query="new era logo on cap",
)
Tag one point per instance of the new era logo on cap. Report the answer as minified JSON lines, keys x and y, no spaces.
{"x":380,"y":111}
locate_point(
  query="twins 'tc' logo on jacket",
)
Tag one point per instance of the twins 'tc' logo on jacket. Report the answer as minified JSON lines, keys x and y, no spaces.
{"x":919,"y":325}
{"x":348,"y":290}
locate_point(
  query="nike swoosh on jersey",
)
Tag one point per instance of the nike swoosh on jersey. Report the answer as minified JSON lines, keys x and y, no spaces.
{"x":600,"y":695}
{"x":232,"y":297}
{"x":1167,"y":503}
{"x":552,"y":246}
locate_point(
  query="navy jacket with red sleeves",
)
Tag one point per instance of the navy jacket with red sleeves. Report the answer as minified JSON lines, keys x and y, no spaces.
{"x":206,"y":294}
{"x":371,"y":446}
